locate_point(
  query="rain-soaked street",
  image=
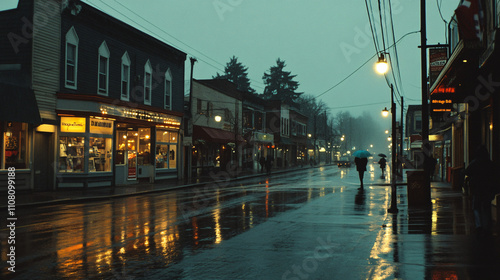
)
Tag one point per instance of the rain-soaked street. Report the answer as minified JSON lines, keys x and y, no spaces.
{"x":310,"y":224}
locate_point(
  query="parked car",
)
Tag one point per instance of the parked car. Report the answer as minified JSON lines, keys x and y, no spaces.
{"x":344,"y":162}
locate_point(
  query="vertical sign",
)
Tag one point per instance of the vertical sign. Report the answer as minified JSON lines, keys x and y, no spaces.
{"x":437,"y":59}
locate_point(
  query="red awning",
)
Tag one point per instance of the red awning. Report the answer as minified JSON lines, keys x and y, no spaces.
{"x":215,"y":135}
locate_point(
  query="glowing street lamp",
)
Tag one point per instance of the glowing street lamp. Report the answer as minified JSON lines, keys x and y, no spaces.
{"x":218,"y":118}
{"x":385,"y":112}
{"x":382,"y":66}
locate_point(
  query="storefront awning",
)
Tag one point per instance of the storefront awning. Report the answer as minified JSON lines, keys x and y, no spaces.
{"x":18,"y":104}
{"x":215,"y":135}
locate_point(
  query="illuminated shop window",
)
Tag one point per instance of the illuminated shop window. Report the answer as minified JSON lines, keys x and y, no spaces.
{"x":71,"y":154}
{"x":100,"y":154}
{"x":15,"y":145}
{"x":166,"y":149}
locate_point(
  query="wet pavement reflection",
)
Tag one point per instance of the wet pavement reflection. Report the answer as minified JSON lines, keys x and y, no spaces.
{"x":132,"y":235}
{"x":226,"y":231}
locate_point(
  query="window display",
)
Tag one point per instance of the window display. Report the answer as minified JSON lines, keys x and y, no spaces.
{"x":71,"y":154}
{"x":144,"y":157}
{"x":99,"y":154}
{"x":166,"y":149}
{"x":15,"y":147}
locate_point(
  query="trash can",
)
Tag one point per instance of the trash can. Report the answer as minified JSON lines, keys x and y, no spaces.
{"x":417,"y":192}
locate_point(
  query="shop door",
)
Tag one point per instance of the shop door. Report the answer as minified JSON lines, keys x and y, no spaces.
{"x":43,"y":162}
{"x":132,"y":144}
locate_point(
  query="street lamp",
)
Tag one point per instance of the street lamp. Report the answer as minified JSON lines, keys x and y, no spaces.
{"x":218,"y":118}
{"x":385,"y":112}
{"x":381,"y":66}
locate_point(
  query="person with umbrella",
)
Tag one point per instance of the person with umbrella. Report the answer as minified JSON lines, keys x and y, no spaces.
{"x":361,"y":160}
{"x":382,"y":162}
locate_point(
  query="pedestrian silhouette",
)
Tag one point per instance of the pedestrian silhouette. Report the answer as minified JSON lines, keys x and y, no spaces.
{"x":262,"y":162}
{"x":361,"y":167}
{"x":480,"y":173}
{"x":430,"y":162}
{"x":269,"y":164}
{"x":382,"y":162}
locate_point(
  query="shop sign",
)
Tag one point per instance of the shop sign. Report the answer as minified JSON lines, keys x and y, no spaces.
{"x":139,"y":114}
{"x":437,"y":60}
{"x":73,"y":124}
{"x":99,"y":126}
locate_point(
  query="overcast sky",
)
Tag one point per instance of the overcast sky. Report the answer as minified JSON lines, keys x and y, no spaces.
{"x":322,"y":41}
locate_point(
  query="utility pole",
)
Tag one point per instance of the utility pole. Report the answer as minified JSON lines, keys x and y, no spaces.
{"x":425,"y":103}
{"x":401,"y":139}
{"x":394,"y":200}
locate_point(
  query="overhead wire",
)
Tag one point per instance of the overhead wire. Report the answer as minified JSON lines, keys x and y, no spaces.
{"x":174,"y":45}
{"x":361,"y":66}
{"x":371,"y":25}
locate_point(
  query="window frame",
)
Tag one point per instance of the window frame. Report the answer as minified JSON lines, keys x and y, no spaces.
{"x":71,"y":40}
{"x":105,"y":54}
{"x":168,"y":90}
{"x":125,"y":62}
{"x":148,"y":71}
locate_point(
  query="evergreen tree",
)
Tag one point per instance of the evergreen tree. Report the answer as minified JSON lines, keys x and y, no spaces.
{"x":280,"y":84}
{"x":236,"y":73}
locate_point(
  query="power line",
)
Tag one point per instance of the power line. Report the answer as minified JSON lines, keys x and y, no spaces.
{"x":159,"y":36}
{"x":357,"y":69}
{"x":371,"y":25}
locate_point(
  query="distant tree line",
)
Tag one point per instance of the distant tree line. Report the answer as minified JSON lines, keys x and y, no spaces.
{"x":279,"y":84}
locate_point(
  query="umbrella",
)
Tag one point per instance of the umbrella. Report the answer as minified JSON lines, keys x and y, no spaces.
{"x":361,"y":154}
{"x":382,"y":155}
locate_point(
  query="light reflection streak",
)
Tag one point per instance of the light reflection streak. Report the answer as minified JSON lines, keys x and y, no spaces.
{"x":383,"y":246}
{"x":217,"y":217}
{"x":434,"y":218}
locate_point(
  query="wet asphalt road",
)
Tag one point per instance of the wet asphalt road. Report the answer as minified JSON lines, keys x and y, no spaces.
{"x":311,"y":224}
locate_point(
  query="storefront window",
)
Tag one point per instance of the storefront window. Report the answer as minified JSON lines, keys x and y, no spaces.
{"x":71,"y":154}
{"x":121,"y":147}
{"x":15,"y":145}
{"x":166,"y":149}
{"x":144,"y":157}
{"x":85,"y":145}
{"x":99,"y":154}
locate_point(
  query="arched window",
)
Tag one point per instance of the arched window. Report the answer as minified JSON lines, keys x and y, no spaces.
{"x":168,"y":90}
{"x":71,"y":59}
{"x":125,"y":89}
{"x":103,"y":69}
{"x":148,"y":76}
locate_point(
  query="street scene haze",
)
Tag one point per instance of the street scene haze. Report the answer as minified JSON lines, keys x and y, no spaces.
{"x":249,"y":139}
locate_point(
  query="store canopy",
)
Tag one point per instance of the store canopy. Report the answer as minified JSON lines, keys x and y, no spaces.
{"x":215,"y":135}
{"x":18,"y":104}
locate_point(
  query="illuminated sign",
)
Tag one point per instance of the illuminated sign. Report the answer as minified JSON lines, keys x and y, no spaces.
{"x":444,"y":90}
{"x":100,"y":126}
{"x":138,"y":114}
{"x":73,"y":124}
{"x":442,"y":101}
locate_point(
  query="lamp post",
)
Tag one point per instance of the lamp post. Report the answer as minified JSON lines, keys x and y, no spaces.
{"x":382,"y":67}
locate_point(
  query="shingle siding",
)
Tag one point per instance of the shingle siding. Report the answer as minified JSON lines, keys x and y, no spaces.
{"x":46,"y":55}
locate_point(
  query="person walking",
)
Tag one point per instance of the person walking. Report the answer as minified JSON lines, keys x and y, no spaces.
{"x":480,"y":173}
{"x":262,"y":162}
{"x":382,"y":162}
{"x":269,"y":164}
{"x":361,"y":168}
